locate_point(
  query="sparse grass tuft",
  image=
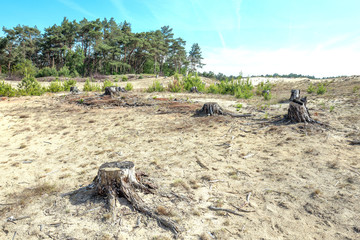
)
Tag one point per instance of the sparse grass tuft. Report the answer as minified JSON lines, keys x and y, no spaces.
{"x":164,"y":211}
{"x":178,"y":183}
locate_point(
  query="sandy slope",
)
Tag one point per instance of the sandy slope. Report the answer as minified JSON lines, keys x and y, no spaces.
{"x":304,"y":180}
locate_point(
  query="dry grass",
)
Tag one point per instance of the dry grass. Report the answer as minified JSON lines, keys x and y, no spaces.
{"x":28,"y":195}
{"x":161,"y":210}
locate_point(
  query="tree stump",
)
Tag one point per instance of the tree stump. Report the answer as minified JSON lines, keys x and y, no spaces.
{"x":119,"y":179}
{"x":298,"y":112}
{"x":194,"y":89}
{"x":295,"y":94}
{"x":211,"y":108}
{"x":113,"y":90}
{"x":74,"y":90}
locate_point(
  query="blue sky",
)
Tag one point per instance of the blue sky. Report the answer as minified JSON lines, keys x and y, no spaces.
{"x":315,"y":37}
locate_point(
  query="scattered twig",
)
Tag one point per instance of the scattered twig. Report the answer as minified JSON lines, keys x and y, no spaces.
{"x":138,"y":222}
{"x":249,"y":155}
{"x":47,"y":142}
{"x":240,"y":208}
{"x":14,"y":236}
{"x":248,"y":197}
{"x":13,"y":219}
{"x":225,"y":210}
{"x":7,"y":204}
{"x":201,"y":164}
{"x":216,"y":180}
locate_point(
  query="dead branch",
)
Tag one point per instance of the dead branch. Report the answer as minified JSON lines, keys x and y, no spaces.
{"x":354,"y":142}
{"x":201,"y":164}
{"x":225,"y":210}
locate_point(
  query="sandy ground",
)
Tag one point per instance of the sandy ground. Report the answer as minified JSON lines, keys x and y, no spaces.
{"x":304,"y":180}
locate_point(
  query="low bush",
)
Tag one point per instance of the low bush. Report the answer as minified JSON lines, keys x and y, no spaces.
{"x":311,"y":88}
{"x":124,"y":78}
{"x":263,"y":87}
{"x":193,"y":81}
{"x":47,"y":72}
{"x":321,"y":89}
{"x":29,"y":86}
{"x":64,"y":72}
{"x":55,"y":86}
{"x":176,"y":86}
{"x":107,"y":83}
{"x":67,"y":84}
{"x":91,"y":87}
{"x":156,"y":87}
{"x":129,"y":87}
{"x":7,"y":90}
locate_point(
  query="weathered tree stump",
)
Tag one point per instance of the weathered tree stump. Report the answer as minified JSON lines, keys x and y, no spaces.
{"x":113,"y":90}
{"x":295,"y":94}
{"x":298,"y":112}
{"x":119,"y":179}
{"x":74,"y":90}
{"x":194,"y":89}
{"x":211,"y":108}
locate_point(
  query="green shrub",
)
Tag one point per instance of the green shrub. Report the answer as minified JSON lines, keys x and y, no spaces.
{"x":124,"y":78}
{"x":332,"y":108}
{"x":91,"y":87}
{"x":55,"y":86}
{"x":175,"y":86}
{"x":141,"y":77}
{"x":29,"y":86}
{"x":263,"y":87}
{"x":267,"y":96}
{"x":67,"y":84}
{"x":212,"y":89}
{"x":311,"y":88}
{"x":129,"y":87}
{"x":193,"y":81}
{"x":64,"y":72}
{"x":177,"y":76}
{"x":238,"y":106}
{"x":156,"y":87}
{"x":355,"y":89}
{"x":74,"y":74}
{"x":321,"y":89}
{"x":7,"y":90}
{"x":107,"y":83}
{"x":25,"y":68}
{"x":47,"y":72}
{"x":244,"y":93}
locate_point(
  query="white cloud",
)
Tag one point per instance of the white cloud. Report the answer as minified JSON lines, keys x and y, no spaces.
{"x":320,"y":62}
{"x":77,"y":7}
{"x":122,"y":10}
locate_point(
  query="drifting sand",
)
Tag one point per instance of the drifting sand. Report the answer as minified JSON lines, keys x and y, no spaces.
{"x":304,"y":180}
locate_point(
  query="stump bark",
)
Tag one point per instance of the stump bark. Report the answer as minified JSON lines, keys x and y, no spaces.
{"x":113,"y":90}
{"x":119,"y":179}
{"x":298,"y":112}
{"x":295,"y":94}
{"x":74,"y":90}
{"x":211,"y":108}
{"x":194,"y":90}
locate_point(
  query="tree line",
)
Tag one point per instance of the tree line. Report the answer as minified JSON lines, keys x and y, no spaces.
{"x":95,"y":47}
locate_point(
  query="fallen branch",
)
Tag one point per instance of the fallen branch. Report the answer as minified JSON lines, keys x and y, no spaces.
{"x":354,"y":142}
{"x":225,"y":210}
